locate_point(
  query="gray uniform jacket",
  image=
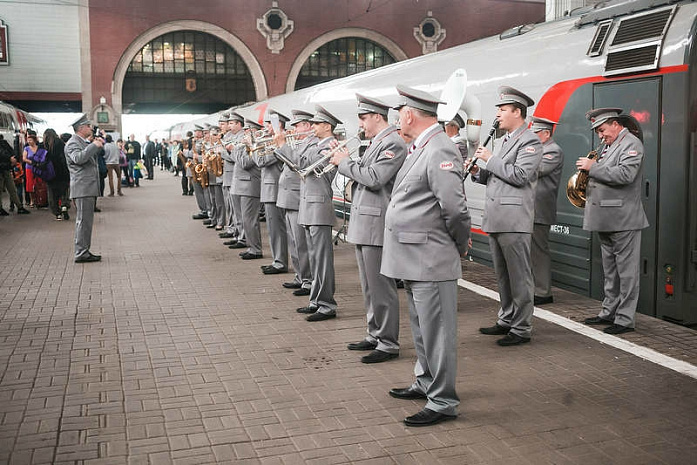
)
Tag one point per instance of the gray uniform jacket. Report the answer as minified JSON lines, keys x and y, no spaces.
{"x":222,"y":151}
{"x":81,"y":157}
{"x":548,"y":177}
{"x":613,"y":195}
{"x":374,"y":175}
{"x":246,"y":178}
{"x":510,"y":177}
{"x":228,"y":160}
{"x":270,"y":172}
{"x":316,"y":207}
{"x":427,"y":224}
{"x":289,"y":182}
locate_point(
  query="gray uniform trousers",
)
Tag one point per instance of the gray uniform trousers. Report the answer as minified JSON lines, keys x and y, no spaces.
{"x":541,"y":261}
{"x":278,"y":235}
{"x":236,"y":201}
{"x":511,"y":256}
{"x":218,"y":202}
{"x":210,"y":203}
{"x":621,"y":252}
{"x":297,"y":242}
{"x":433,"y":315}
{"x":250,"y":221}
{"x":200,"y":197}
{"x":83,"y":224}
{"x":319,"y":244}
{"x":229,"y":224}
{"x":380,"y":298}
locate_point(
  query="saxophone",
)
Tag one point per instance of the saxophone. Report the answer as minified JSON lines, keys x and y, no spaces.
{"x":201,"y":174}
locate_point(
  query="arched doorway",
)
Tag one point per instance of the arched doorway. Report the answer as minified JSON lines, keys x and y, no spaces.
{"x":340,"y":53}
{"x":186,"y":71}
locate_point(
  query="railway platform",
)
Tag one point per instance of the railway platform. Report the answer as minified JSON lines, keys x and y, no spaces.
{"x":173,"y":350}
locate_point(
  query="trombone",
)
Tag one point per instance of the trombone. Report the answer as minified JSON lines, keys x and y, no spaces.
{"x":318,"y":170}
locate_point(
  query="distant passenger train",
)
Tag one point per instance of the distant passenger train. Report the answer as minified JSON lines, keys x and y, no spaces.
{"x":638,"y":55}
{"x":13,"y":120}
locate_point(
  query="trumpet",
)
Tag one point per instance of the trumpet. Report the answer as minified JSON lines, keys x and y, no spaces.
{"x":318,"y":170}
{"x":293,"y":138}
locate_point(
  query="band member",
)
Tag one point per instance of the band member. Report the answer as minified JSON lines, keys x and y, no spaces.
{"x":247,"y":184}
{"x":289,"y":200}
{"x":215,"y":181}
{"x":317,"y":216}
{"x":510,"y":177}
{"x":207,"y":191}
{"x":427,"y":228}
{"x":548,"y":177}
{"x":231,"y":140}
{"x":275,"y":221}
{"x":452,"y":129}
{"x":373,"y":177}
{"x":198,"y":190}
{"x":81,"y":155}
{"x":614,"y":210}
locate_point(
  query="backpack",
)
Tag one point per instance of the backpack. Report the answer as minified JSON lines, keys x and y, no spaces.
{"x":42,"y":166}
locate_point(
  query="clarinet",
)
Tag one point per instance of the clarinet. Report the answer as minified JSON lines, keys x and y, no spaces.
{"x":492,"y":131}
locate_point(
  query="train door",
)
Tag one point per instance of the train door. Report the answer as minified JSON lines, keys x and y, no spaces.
{"x":641,"y":99}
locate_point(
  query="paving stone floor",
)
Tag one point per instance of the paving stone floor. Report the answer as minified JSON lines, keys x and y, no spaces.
{"x":173,"y":350}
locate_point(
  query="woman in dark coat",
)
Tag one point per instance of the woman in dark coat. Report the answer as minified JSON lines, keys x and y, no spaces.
{"x":58,"y":186}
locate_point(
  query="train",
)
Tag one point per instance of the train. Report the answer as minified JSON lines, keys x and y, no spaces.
{"x":14,"y":122}
{"x":638,"y":55}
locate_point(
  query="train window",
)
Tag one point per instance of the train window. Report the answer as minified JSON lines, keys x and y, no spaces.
{"x":342,"y":57}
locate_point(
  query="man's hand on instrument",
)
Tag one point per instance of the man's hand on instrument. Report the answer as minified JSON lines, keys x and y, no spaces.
{"x":472,"y":168}
{"x":339,"y":155}
{"x":483,"y":153}
{"x":584,"y":163}
{"x":279,"y":139}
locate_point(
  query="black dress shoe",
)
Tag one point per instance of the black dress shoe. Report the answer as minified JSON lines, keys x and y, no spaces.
{"x":238,"y":245}
{"x":200,"y":216}
{"x":232,"y":242}
{"x":618,"y":329}
{"x":596,"y":320}
{"x":406,"y":393}
{"x":496,"y":330}
{"x":88,"y":258}
{"x":306,"y":310}
{"x":363,"y":345}
{"x":512,"y":339}
{"x":210,"y":226}
{"x":427,"y":417}
{"x":97,"y":210}
{"x":251,"y":256}
{"x":4,"y":212}
{"x":273,"y":270}
{"x":378,"y":356}
{"x":318,"y":316}
{"x":226,"y":235}
{"x":301,"y":292}
{"x":292,"y":285}
{"x":543,"y":300}
{"x":207,"y":222}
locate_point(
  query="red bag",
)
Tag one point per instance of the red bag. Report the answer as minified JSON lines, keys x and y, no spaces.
{"x":40,"y":193}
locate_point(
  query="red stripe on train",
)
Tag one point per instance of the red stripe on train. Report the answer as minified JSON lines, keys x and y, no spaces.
{"x":553,"y":102}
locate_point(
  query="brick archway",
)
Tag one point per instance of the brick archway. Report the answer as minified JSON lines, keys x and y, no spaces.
{"x":302,"y":57}
{"x":236,"y":44}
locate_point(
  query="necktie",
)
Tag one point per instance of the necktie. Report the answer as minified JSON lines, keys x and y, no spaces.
{"x":603,"y":152}
{"x":411,"y":150}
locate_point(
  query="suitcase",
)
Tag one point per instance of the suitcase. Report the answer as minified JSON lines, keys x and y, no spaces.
{"x":40,"y":193}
